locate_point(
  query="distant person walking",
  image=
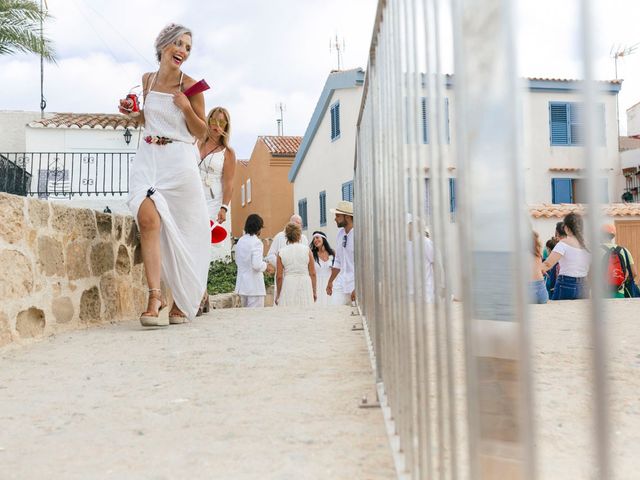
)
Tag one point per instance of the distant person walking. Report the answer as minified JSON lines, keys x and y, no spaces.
{"x":296,"y":273}
{"x":251,"y":267}
{"x":537,"y":288}
{"x":618,"y":257}
{"x":323,"y":255}
{"x":165,"y":195}
{"x":342,"y":283}
{"x":574,"y":259}
{"x":279,"y":242}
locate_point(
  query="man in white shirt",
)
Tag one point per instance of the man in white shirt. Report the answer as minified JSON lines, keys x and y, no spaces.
{"x":280,"y":241}
{"x":343,"y":289}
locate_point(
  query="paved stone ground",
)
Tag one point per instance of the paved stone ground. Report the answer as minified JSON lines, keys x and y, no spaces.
{"x":238,"y":394}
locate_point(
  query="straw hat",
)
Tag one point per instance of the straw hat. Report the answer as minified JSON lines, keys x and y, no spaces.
{"x":343,"y":208}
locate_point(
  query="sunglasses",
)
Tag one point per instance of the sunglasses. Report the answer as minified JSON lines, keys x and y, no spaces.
{"x":344,"y":241}
{"x":218,"y":122}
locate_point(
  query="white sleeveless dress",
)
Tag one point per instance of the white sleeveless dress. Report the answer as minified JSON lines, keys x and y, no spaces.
{"x":296,"y":283}
{"x":168,"y":174}
{"x":323,"y":272}
{"x":210,"y":168}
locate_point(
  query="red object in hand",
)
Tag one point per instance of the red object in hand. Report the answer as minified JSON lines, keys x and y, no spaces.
{"x":134,"y":106}
{"x":196,"y":88}
{"x":218,"y":232}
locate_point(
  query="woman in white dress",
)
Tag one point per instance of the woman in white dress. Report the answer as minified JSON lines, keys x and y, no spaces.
{"x":217,"y":167}
{"x":165,"y":195}
{"x":323,"y":256}
{"x":296,"y":273}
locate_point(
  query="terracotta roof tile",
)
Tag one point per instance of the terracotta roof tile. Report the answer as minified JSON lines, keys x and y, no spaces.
{"x":112,"y":121}
{"x":562,"y":209}
{"x":281,"y":145}
{"x":617,"y":82}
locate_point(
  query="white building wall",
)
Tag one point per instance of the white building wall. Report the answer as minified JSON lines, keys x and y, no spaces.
{"x":12,"y":129}
{"x":540,"y":155}
{"x":633,"y":120}
{"x":328,"y":164}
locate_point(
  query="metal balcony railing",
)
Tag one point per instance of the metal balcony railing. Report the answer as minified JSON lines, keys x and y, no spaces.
{"x":64,"y":175}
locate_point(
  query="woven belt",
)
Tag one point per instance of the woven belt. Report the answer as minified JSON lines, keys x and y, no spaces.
{"x":157,"y":140}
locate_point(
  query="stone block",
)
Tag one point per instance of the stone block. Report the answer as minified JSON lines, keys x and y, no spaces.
{"x":50,"y":256}
{"x":90,"y":305}
{"x":109,"y":293}
{"x":123,"y":262}
{"x":118,"y":221}
{"x":137,"y":255}
{"x":62,"y":309}
{"x":102,"y":258}
{"x":5,"y":329}
{"x":225,"y":300}
{"x":16,"y":275}
{"x":39,"y":212}
{"x":131,"y":232}
{"x":75,"y":222}
{"x":30,"y":323}
{"x":77,"y":259}
{"x":104,"y":222}
{"x":12,"y":220}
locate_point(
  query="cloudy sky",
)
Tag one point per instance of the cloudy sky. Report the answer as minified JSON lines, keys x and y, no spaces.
{"x":257,"y":53}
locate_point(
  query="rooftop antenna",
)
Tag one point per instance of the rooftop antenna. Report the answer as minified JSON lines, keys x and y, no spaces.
{"x":617,"y":52}
{"x":43,"y":101}
{"x":280,"y":108}
{"x":334,"y":44}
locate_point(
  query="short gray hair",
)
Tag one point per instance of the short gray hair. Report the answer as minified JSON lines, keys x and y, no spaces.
{"x":169,"y":34}
{"x":296,"y":219}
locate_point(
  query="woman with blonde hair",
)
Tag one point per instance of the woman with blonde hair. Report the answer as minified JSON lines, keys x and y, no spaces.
{"x":295,"y":271}
{"x":165,"y":196}
{"x":217,"y":167}
{"x":537,"y":286}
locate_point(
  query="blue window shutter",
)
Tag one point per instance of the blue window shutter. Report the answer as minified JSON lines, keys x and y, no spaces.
{"x":427,"y":196}
{"x":562,"y":190}
{"x":452,"y":195}
{"x":425,"y":120}
{"x":337,"y":120}
{"x":302,"y":211}
{"x":446,"y":119}
{"x":323,"y":208}
{"x":576,"y":123}
{"x":559,"y":123}
{"x":333,"y":122}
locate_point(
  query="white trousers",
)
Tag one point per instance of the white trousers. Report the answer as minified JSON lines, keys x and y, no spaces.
{"x":338,"y":298}
{"x":252,"y":301}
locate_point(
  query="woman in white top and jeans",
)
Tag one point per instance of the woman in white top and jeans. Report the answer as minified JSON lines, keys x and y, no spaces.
{"x":574,"y":259}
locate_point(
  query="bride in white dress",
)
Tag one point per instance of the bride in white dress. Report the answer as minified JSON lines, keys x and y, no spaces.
{"x":296,"y":273}
{"x":165,"y":195}
{"x":323,"y":256}
{"x":217,"y":167}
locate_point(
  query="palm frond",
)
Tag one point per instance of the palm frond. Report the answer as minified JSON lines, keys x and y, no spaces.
{"x":20,"y":29}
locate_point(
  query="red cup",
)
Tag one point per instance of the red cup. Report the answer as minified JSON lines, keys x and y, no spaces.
{"x":135,"y":107}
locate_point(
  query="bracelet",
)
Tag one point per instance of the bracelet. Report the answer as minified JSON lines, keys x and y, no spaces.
{"x":226,"y":207}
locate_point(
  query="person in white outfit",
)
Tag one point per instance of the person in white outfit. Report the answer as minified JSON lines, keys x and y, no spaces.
{"x":250,"y":277}
{"x":165,"y":196}
{"x":428,"y":261}
{"x":323,"y":256}
{"x":279,"y":242}
{"x":217,"y":168}
{"x":296,"y":273}
{"x":343,"y":289}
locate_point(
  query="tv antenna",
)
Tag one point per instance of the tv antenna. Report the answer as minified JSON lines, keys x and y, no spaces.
{"x":280,"y":108}
{"x":622,"y":51}
{"x":339,"y":48}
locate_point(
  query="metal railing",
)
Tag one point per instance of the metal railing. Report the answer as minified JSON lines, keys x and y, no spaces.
{"x":63,"y":175}
{"x":454,"y":379}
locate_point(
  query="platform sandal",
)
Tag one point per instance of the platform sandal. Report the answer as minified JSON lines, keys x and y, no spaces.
{"x":152,"y":318}
{"x":176,"y":317}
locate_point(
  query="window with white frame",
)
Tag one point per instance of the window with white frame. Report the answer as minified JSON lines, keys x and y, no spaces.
{"x":242,"y":195}
{"x":347,"y":191}
{"x":573,"y":190}
{"x":566,"y":123}
{"x":248,"y":190}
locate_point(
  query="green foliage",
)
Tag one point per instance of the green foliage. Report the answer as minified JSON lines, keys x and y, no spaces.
{"x":222,"y":277}
{"x":20,"y":29}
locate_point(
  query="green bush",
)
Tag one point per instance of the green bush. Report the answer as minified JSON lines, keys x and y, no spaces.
{"x":222,"y":277}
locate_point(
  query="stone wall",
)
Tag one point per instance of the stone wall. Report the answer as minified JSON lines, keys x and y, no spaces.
{"x":64,"y":268}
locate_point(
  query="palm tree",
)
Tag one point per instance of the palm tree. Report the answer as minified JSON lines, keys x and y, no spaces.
{"x":20,"y":29}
